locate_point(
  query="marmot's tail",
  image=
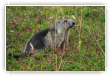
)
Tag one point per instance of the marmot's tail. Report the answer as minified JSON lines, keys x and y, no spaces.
{"x":17,"y":56}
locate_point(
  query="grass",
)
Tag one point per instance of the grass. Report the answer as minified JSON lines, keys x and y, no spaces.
{"x":86,"y":47}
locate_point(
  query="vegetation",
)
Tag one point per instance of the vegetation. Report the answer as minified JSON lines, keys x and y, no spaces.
{"x":86,"y":47}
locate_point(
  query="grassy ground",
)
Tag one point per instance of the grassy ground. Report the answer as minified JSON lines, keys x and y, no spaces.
{"x":86,"y":47}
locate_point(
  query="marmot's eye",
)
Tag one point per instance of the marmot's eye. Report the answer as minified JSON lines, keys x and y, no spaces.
{"x":65,"y":20}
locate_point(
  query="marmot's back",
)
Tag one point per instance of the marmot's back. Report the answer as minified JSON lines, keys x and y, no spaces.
{"x":37,"y":40}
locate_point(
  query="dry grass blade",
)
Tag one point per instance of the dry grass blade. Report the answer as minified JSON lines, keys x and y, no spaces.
{"x":32,"y":48}
{"x":73,"y":17}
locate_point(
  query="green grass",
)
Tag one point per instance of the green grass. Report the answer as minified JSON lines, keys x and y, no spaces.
{"x":84,"y":53}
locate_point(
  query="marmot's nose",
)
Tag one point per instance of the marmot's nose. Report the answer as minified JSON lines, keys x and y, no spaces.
{"x":73,"y":23}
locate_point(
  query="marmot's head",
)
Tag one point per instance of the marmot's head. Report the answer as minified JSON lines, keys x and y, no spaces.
{"x":64,"y":24}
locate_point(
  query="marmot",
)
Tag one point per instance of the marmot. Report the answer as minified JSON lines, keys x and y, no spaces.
{"x":55,"y":36}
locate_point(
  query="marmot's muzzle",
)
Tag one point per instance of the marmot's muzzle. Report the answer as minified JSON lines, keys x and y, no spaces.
{"x":73,"y":23}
